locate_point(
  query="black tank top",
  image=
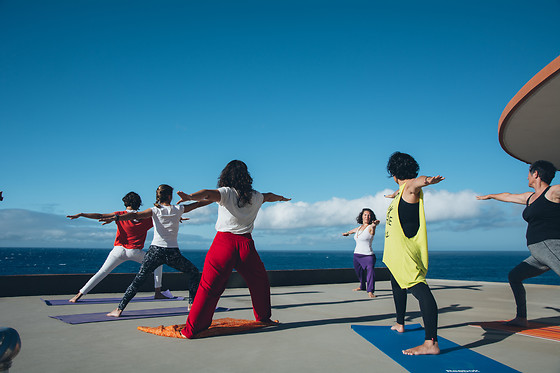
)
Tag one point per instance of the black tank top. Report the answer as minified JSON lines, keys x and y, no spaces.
{"x":409,"y":215}
{"x":543,"y":218}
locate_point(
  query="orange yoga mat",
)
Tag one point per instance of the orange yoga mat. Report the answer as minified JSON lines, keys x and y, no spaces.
{"x":219,"y":327}
{"x":535,"y":329}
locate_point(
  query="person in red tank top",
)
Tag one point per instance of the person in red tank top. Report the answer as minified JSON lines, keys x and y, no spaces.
{"x":128,"y":245}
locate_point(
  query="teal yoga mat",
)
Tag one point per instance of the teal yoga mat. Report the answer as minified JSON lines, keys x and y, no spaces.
{"x":453,"y":357}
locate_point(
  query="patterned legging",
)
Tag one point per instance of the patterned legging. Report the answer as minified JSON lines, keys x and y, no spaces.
{"x":155,"y":257}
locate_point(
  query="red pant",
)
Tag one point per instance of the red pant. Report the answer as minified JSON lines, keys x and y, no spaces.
{"x":229,"y":251}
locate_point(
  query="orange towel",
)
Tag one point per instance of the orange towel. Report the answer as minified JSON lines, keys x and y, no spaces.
{"x":535,"y":329}
{"x":219,"y":327}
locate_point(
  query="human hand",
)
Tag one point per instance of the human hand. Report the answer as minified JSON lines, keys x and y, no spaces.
{"x":108,"y":220}
{"x":392,"y":195}
{"x":74,"y":216}
{"x":430,"y":180}
{"x":184,"y":197}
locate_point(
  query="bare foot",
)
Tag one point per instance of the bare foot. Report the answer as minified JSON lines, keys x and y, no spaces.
{"x":115,"y":313}
{"x":75,"y":298}
{"x":357,"y":289}
{"x":189,"y":306}
{"x":398,"y":327}
{"x":518,"y":321}
{"x":371,"y":295}
{"x":429,"y":347}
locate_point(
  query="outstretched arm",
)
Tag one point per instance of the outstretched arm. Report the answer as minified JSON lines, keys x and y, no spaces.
{"x":507,"y":197}
{"x":411,"y":192}
{"x":392,"y":195}
{"x":554,"y":193}
{"x":345,"y":234}
{"x":271,"y":197}
{"x":95,"y":216}
{"x":422,"y":181}
{"x":211,"y":195}
{"x":128,"y":216}
{"x":194,"y":206}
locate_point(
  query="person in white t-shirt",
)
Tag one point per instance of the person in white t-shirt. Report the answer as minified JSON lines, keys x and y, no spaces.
{"x":364,"y":258}
{"x":233,"y":247}
{"x":164,"y":248}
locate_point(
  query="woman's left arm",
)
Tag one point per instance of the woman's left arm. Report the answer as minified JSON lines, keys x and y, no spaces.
{"x":555,"y":193}
{"x":373,"y":226}
{"x":194,"y":206}
{"x":271,"y":197}
{"x":422,"y":181}
{"x":128,"y":216}
{"x":211,"y":195}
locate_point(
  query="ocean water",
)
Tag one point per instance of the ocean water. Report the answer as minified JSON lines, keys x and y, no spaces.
{"x":451,"y":265}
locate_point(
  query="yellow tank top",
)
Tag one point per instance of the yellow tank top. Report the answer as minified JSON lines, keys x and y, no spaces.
{"x":406,"y":258}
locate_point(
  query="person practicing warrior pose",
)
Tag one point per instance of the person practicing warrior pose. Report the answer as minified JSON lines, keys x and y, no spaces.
{"x":233,"y":247}
{"x":164,"y":248}
{"x":364,"y":258}
{"x":542,"y":213}
{"x":129,"y":243}
{"x":406,"y":248}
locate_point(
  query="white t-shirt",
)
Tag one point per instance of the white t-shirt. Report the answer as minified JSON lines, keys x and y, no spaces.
{"x":166,"y":225}
{"x":235,"y":219}
{"x":363,"y":242}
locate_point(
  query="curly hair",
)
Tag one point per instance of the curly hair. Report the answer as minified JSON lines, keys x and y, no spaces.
{"x":133,"y":200}
{"x":545,"y":170}
{"x":402,"y":166}
{"x":164,"y":193}
{"x":361,"y":221}
{"x":236,"y":175}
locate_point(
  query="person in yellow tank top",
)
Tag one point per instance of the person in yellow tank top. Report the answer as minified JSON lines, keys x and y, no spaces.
{"x":406,"y":248}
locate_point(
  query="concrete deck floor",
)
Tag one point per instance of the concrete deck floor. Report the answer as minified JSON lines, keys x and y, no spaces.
{"x":315,"y":335}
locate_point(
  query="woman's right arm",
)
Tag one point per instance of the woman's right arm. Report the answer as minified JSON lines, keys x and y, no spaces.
{"x":350,"y":232}
{"x":212,"y":195}
{"x":128,"y":216}
{"x":271,"y":197}
{"x":95,"y":216}
{"x":507,"y":197}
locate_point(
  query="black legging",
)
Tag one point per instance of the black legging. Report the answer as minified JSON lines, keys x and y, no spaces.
{"x":428,"y":306}
{"x":155,"y":257}
{"x":518,"y":274}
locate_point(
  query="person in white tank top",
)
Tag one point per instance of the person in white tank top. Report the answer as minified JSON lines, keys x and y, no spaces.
{"x":364,"y":258}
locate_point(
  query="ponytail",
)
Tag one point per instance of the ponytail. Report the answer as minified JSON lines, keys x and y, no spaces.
{"x":164,"y":194}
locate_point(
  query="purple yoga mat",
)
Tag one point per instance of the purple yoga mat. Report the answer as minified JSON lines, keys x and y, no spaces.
{"x":84,"y":318}
{"x":64,"y":302}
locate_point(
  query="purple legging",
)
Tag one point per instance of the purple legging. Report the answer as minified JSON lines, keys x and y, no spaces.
{"x":363,"y":265}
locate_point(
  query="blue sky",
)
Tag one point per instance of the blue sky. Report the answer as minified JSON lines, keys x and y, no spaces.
{"x":98,"y":98}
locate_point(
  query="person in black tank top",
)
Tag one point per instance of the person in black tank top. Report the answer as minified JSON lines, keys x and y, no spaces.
{"x":542,"y":213}
{"x":404,"y":170}
{"x":409,"y":215}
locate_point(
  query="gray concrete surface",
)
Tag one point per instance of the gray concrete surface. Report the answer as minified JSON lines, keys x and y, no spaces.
{"x":315,"y":335}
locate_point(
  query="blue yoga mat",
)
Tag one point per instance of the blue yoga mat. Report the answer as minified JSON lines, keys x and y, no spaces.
{"x":84,"y":318}
{"x":64,"y":302}
{"x":453,"y":357}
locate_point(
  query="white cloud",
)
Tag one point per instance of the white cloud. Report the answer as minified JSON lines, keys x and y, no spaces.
{"x":439,"y":205}
{"x":446,"y":211}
